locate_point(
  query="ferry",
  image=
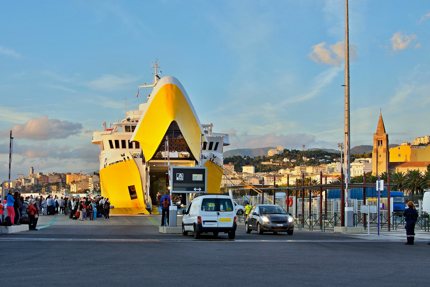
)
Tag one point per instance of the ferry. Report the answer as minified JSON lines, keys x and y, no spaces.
{"x":164,"y":131}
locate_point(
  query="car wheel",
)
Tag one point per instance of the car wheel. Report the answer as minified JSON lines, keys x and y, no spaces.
{"x":240,"y":212}
{"x":259,"y":229}
{"x":248,"y":229}
{"x":231,"y":234}
{"x":196,"y":232}
{"x":184,"y":232}
{"x":275,"y":232}
{"x":290,"y":232}
{"x":215,"y":233}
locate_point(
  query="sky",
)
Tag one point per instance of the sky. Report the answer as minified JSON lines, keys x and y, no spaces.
{"x":268,"y":73}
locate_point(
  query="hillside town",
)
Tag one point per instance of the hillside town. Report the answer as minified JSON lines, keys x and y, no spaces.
{"x":283,"y":167}
{"x":55,"y":184}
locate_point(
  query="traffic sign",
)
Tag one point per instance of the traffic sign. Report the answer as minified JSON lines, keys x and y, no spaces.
{"x":188,"y":179}
{"x":380,"y":185}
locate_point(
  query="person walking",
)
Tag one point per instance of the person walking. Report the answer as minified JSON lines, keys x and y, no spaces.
{"x":411,"y":216}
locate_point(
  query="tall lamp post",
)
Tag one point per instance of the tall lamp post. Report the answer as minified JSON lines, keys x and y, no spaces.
{"x":10,"y":166}
{"x":347,"y":127}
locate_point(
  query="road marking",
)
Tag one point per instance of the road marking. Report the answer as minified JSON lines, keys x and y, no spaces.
{"x":185,"y":240}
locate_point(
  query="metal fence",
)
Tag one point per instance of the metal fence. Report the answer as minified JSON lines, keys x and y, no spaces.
{"x":313,"y":217}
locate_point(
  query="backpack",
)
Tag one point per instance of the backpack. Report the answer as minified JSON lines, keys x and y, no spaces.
{"x":165,"y":203}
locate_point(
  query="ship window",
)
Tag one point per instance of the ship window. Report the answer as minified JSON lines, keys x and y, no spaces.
{"x":127,"y":129}
{"x":116,"y":143}
{"x":205,"y":145}
{"x":216,"y":146}
{"x":111,"y":144}
{"x":130,"y":144}
{"x":132,"y":191}
{"x":133,"y":128}
{"x":211,"y":145}
{"x":123,"y":144}
{"x":137,"y":145}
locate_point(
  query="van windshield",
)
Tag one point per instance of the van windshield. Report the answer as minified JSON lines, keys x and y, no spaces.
{"x":217,"y":204}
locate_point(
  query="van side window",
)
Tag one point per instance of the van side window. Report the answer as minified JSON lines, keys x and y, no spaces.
{"x":217,"y":204}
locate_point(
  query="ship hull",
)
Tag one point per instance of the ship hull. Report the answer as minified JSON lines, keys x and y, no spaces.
{"x":122,"y":184}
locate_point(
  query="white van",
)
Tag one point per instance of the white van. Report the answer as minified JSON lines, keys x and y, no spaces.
{"x":426,"y":202}
{"x":210,"y":213}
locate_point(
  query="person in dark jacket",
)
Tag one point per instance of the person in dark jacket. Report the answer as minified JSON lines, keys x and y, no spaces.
{"x":165,"y":203}
{"x":411,"y":216}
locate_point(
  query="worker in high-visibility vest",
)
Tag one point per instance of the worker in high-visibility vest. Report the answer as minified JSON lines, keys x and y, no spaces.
{"x":248,"y":208}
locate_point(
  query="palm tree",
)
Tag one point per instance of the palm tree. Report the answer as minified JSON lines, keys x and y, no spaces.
{"x":398,"y":179}
{"x":415,"y":182}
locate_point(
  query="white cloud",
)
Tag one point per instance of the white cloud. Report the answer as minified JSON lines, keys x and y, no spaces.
{"x":270,"y":139}
{"x":425,"y":17}
{"x":44,"y":128}
{"x":333,"y":55}
{"x":111,"y":82}
{"x":10,"y":53}
{"x":11,"y":116}
{"x":401,"y":41}
{"x":320,"y":82}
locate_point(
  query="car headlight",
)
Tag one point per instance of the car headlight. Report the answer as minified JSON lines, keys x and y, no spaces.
{"x":265,"y":219}
{"x":290,"y":219}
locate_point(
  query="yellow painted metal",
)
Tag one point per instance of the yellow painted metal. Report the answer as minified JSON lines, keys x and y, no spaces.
{"x":214,"y":173}
{"x":167,"y":105}
{"x":115,"y":180}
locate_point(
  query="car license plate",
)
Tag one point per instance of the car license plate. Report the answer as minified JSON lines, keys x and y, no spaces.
{"x":279,"y":224}
{"x":224,"y":219}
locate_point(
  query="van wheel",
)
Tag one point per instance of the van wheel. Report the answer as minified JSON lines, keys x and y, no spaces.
{"x":231,"y":234}
{"x":196,"y":232}
{"x":290,"y":232}
{"x":184,"y":232}
{"x":259,"y":230}
{"x":216,"y":234}
{"x":248,"y":229}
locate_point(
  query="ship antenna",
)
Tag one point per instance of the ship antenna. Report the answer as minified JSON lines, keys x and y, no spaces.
{"x":156,"y":77}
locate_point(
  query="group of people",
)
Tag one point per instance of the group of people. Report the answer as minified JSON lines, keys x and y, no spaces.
{"x":88,"y":208}
{"x":16,"y":210}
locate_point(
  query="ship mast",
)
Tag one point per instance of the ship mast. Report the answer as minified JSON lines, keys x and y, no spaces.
{"x":156,"y":77}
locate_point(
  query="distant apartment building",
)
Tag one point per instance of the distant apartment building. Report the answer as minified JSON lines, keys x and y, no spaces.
{"x":94,"y":182}
{"x":54,"y":178}
{"x":424,"y":140}
{"x":79,"y":186}
{"x":74,"y":177}
{"x":361,"y":166}
{"x":229,"y":167}
{"x":248,"y":169}
{"x":275,"y":151}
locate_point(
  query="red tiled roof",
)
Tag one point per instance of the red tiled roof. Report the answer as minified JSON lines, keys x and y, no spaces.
{"x":414,"y":164}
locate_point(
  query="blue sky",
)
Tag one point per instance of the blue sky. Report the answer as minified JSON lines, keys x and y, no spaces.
{"x":266,"y":72}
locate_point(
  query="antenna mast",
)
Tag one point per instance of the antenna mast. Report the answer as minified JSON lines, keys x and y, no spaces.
{"x":156,"y":77}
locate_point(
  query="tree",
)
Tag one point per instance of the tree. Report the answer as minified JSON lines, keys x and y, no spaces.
{"x":398,"y":179}
{"x":415,"y":182}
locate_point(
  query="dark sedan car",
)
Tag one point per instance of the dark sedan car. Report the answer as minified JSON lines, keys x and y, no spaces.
{"x":271,"y":218}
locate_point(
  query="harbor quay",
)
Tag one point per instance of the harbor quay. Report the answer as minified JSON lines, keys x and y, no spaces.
{"x":130,"y":251}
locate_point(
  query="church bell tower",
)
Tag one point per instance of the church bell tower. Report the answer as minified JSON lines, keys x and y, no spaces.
{"x":380,"y":154}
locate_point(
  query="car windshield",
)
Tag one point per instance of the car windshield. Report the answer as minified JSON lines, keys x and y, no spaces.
{"x":217,"y":204}
{"x":272,"y":210}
